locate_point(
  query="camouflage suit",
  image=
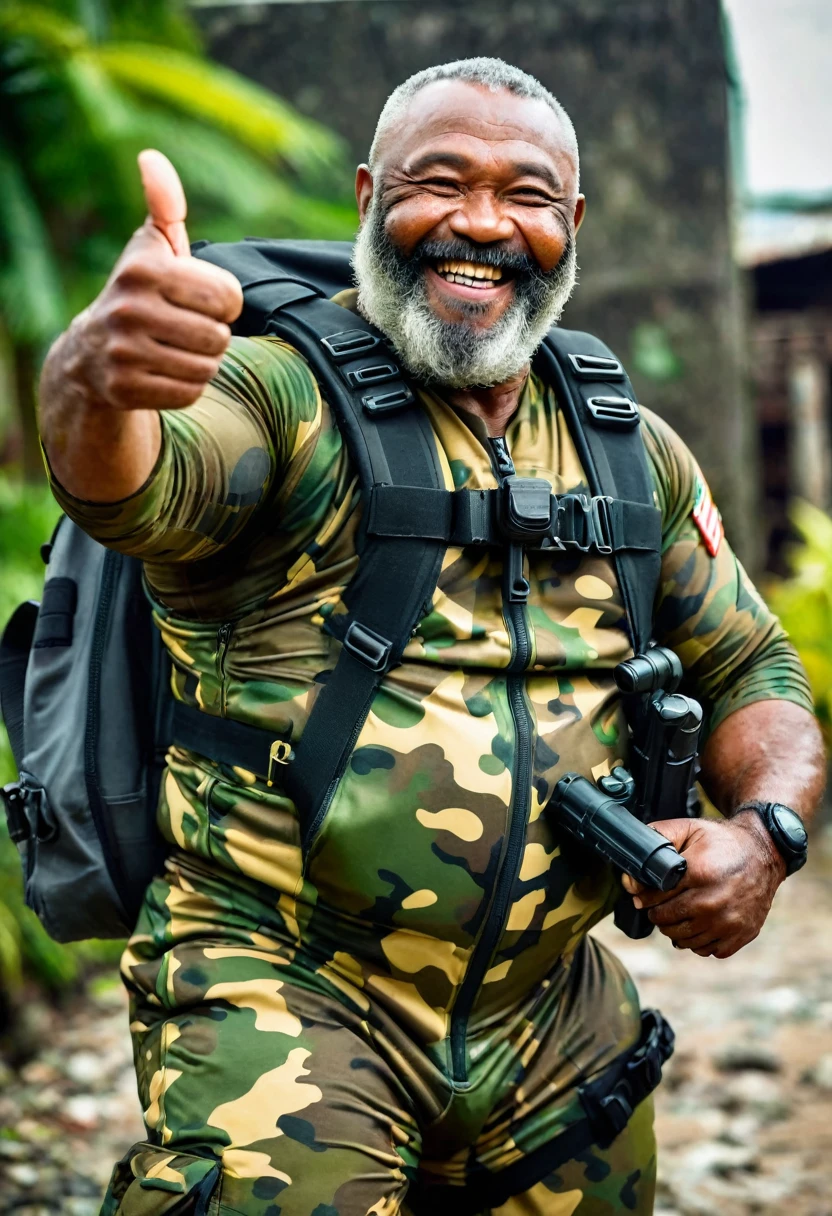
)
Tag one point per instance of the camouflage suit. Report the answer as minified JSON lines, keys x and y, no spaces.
{"x":416,"y":996}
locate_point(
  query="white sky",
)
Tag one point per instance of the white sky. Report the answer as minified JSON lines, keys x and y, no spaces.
{"x":784,"y":49}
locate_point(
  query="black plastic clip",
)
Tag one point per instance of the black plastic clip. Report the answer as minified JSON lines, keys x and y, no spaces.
{"x":349,"y":344}
{"x":389,"y":402}
{"x":368,"y":647}
{"x":376,"y":373}
{"x":596,"y":367}
{"x":617,"y":413}
{"x":525,"y":508}
{"x":584,"y":523}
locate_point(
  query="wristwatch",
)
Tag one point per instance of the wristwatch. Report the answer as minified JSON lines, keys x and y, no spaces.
{"x":785,"y":827}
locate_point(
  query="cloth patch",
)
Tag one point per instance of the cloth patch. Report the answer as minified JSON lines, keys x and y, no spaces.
{"x":707,"y":518}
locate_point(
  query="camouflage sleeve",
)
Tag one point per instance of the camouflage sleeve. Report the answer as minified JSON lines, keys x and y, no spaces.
{"x":221,"y":459}
{"x":734,"y":650}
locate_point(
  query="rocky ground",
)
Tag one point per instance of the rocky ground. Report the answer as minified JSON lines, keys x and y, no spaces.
{"x":745,"y":1112}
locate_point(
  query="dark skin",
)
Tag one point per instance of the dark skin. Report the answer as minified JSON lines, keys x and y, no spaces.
{"x":464,"y":163}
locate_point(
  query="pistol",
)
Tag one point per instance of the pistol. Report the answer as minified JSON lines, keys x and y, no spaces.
{"x":613,"y":817}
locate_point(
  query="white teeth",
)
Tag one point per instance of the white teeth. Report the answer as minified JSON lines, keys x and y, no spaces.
{"x":472,"y":274}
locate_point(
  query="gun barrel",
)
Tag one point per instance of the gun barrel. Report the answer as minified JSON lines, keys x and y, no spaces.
{"x":611,"y":830}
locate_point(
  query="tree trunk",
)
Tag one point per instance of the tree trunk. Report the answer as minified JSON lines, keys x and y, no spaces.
{"x":25,"y":379}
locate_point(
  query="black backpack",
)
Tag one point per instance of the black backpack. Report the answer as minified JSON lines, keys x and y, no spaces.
{"x":84,"y":681}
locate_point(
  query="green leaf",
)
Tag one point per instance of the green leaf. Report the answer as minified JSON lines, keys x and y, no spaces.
{"x":49,"y":29}
{"x":31,"y":292}
{"x":223,"y":99}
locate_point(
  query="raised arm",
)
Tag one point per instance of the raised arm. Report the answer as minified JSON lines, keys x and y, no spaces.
{"x":151,"y":341}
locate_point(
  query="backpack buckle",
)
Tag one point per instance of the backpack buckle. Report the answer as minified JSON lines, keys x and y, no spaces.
{"x":349,"y":344}
{"x":14,"y":797}
{"x":376,"y":373}
{"x":525,"y":508}
{"x":596,"y":367}
{"x":618,"y":413}
{"x":584,"y":523}
{"x":387,"y":403}
{"x":368,"y":647}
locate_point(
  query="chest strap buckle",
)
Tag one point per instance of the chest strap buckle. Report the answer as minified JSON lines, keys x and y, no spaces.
{"x":584,"y":523}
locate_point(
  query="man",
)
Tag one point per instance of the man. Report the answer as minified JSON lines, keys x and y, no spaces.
{"x":401,"y":1002}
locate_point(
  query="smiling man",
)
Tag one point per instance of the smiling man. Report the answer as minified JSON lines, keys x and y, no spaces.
{"x":401,"y":1008}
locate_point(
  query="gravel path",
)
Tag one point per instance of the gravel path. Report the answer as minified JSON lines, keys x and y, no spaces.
{"x":745,"y":1112}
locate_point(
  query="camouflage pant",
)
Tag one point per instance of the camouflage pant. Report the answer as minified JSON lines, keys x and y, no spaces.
{"x":266,"y":1095}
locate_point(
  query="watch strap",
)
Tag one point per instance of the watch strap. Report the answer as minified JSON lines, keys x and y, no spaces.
{"x":794,"y":858}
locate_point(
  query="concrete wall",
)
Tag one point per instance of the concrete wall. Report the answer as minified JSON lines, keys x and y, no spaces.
{"x":645,"y":82}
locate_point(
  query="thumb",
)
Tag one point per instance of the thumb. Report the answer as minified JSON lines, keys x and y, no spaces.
{"x":678,"y":832}
{"x":165,"y":199}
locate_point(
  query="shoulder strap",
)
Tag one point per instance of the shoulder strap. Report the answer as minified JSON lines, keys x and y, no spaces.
{"x":595,"y":393}
{"x":15,"y":646}
{"x":391,"y":443}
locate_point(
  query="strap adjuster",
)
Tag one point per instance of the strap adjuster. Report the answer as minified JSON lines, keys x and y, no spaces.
{"x":368,"y":647}
{"x":618,"y":413}
{"x":387,"y":403}
{"x":596,"y":367}
{"x":376,"y":373}
{"x":349,"y":344}
{"x":14,"y":797}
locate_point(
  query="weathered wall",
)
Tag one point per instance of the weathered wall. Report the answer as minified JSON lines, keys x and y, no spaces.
{"x":645,"y":82}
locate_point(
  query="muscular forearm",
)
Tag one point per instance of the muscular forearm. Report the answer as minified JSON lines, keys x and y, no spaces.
{"x":96,"y":453}
{"x":770,"y":751}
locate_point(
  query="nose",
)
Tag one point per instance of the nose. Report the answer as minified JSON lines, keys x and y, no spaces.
{"x":481,"y":219}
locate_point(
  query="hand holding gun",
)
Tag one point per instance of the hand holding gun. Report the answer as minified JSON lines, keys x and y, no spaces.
{"x":612,"y":816}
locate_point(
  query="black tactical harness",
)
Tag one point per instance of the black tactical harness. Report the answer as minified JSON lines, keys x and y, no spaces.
{"x":410,"y":518}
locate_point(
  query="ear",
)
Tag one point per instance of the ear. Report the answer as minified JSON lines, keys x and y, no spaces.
{"x":363,"y":189}
{"x":580,"y":211}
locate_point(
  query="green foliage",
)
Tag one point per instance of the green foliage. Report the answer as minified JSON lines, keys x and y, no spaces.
{"x":27,"y":518}
{"x":804,"y":602}
{"x":83,"y":88}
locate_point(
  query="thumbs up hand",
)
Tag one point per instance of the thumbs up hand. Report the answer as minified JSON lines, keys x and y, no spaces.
{"x":155,"y":335}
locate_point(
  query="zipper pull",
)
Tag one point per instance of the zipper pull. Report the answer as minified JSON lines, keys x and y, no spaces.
{"x":516,"y":584}
{"x":502,"y":456}
{"x":280,"y":752}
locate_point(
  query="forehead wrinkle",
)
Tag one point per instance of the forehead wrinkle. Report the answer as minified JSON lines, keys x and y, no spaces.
{"x":440,"y":152}
{"x":504,"y":126}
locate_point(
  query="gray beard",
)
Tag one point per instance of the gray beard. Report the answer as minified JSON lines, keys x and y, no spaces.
{"x":392,"y":295}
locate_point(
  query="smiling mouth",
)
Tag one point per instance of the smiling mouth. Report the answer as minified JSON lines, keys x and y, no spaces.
{"x":469,"y":274}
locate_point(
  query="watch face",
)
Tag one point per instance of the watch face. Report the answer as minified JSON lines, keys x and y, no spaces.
{"x":790,"y":826}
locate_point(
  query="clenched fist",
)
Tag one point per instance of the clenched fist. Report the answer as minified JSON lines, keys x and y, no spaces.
{"x":154,"y":336}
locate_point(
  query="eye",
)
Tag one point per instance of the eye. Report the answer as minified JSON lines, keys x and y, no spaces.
{"x":529,"y":196}
{"x":440,"y":183}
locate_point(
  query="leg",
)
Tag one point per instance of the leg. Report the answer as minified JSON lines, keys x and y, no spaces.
{"x":614,"y":1181}
{"x":261,"y":1098}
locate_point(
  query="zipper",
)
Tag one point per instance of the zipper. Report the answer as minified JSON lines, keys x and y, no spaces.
{"x":521,"y":650}
{"x":223,"y":640}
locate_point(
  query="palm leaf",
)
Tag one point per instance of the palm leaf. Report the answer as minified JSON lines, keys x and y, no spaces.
{"x":226,"y":180}
{"x":47,"y":28}
{"x":224,"y":100}
{"x":31,"y":293}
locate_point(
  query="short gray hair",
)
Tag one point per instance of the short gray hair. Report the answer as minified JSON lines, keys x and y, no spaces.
{"x":494,"y":74}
